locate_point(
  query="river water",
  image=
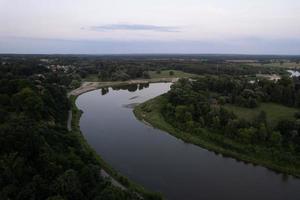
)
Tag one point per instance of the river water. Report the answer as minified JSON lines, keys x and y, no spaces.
{"x":163,"y":163}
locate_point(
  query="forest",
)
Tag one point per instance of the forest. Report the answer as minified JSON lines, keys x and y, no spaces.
{"x":203,"y":108}
{"x":39,"y":157}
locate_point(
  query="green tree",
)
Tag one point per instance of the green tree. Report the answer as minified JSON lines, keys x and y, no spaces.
{"x":68,"y":185}
{"x":75,"y":84}
{"x":276,"y":138}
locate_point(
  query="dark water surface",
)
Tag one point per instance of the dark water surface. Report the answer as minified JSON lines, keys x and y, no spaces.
{"x":162,"y":163}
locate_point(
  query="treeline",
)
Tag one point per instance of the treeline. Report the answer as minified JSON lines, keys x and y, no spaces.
{"x":225,"y":68}
{"x":242,"y":92}
{"x":120,"y":68}
{"x":39,"y":158}
{"x":125,"y":70}
{"x":196,"y":107}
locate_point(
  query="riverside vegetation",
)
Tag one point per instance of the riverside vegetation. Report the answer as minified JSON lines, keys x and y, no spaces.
{"x":256,"y":122}
{"x":39,"y":157}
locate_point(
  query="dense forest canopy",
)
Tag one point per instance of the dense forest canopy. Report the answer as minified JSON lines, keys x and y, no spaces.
{"x":39,"y":158}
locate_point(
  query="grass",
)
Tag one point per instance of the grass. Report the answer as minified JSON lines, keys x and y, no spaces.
{"x":166,"y":74}
{"x":274,"y":112}
{"x":150,"y":113}
{"x":91,"y":78}
{"x":290,"y":65}
{"x":153,"y":75}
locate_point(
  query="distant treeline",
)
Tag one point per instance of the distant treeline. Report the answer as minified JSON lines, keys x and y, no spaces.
{"x":125,"y":67}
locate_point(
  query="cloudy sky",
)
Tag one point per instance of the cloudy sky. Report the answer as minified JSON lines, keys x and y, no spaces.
{"x":150,"y":26}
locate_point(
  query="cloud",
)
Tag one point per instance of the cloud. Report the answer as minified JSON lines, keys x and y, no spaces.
{"x":134,"y":27}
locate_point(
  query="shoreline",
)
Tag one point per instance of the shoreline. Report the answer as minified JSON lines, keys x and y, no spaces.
{"x":116,"y":178}
{"x":156,"y":120}
{"x":90,"y":86}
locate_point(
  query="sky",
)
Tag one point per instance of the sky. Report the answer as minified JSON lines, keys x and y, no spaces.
{"x":152,"y":26}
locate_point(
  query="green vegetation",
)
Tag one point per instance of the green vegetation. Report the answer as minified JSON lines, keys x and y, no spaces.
{"x":275,"y":112}
{"x":152,"y":75}
{"x":208,"y":112}
{"x":284,"y":64}
{"x":40,"y":158}
{"x":150,"y":112}
{"x":91,"y":78}
{"x":168,"y":74}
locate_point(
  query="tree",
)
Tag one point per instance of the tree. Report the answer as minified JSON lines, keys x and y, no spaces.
{"x":146,"y":75}
{"x":29,"y":102}
{"x":262,"y":133}
{"x":247,"y":135}
{"x":261,"y":118}
{"x":75,"y":84}
{"x":182,"y":114}
{"x":68,"y":185}
{"x":252,"y":103}
{"x":171,"y":73}
{"x":276,"y":138}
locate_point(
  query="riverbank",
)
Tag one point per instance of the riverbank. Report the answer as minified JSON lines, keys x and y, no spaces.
{"x":108,"y":172}
{"x":150,"y":112}
{"x":90,"y":86}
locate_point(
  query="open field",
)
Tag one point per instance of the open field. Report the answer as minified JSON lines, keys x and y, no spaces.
{"x":166,"y":74}
{"x":153,"y":74}
{"x":274,"y":112}
{"x":290,"y":65}
{"x":91,"y":78}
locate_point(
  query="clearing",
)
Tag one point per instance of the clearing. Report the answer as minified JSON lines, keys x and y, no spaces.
{"x":274,"y":112}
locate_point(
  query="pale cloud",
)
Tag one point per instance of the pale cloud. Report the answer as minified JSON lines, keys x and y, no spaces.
{"x":163,"y":21}
{"x":134,"y":27}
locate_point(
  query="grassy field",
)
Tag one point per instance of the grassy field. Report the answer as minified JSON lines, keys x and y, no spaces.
{"x":91,"y":78}
{"x":150,"y":113}
{"x":275,"y":112}
{"x":166,"y":74}
{"x":153,"y":75}
{"x":290,"y":65}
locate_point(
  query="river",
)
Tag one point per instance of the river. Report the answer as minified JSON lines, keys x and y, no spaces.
{"x":160,"y":162}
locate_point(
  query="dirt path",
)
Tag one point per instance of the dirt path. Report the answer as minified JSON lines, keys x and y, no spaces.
{"x":69,"y":123}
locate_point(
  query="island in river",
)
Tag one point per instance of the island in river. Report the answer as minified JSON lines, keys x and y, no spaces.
{"x":254,"y":122}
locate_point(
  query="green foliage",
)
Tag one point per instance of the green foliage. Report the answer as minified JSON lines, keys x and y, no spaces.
{"x":169,"y":74}
{"x":194,"y":105}
{"x":75,"y":84}
{"x":39,"y":158}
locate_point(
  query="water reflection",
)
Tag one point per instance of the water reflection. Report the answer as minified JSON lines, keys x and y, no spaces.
{"x":127,"y":87}
{"x":160,"y":162}
{"x":104,"y":91}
